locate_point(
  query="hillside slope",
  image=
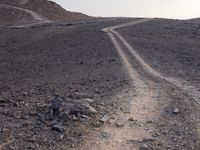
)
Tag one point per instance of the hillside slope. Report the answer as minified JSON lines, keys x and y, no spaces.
{"x":11,"y":16}
{"x":46,"y":9}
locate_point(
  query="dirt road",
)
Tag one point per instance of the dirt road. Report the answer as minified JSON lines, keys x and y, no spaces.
{"x":147,"y":88}
{"x":190,"y":89}
{"x":32,"y":13}
{"x":35,"y":16}
{"x":144,"y":103}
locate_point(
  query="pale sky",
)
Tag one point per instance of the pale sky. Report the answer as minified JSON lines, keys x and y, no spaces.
{"x":180,"y":9}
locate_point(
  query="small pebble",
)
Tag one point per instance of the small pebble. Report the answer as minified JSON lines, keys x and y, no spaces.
{"x":131,"y":119}
{"x":176,"y":111}
{"x":119,"y":124}
{"x":104,"y":119}
{"x":58,"y":128}
{"x":144,"y":147}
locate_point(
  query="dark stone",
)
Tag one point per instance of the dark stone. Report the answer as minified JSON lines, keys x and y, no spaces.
{"x":42,"y":117}
{"x":49,"y":115}
{"x":144,"y":147}
{"x":58,"y":128}
{"x":63,"y":117}
{"x":104,"y":119}
{"x":56,"y":103}
{"x":148,"y":139}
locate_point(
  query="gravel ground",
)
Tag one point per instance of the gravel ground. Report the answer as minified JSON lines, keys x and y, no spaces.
{"x":170,"y":46}
{"x":77,"y":60}
{"x":72,"y":61}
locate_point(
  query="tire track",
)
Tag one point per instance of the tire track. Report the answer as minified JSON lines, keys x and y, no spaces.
{"x":191,"y":90}
{"x":144,"y":105}
{"x":141,"y":105}
{"x":36,"y":16}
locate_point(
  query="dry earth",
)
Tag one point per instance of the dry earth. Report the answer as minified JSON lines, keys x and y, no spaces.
{"x":78,"y":60}
{"x":20,"y":12}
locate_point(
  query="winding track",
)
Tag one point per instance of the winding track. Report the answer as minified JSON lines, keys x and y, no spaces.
{"x":35,"y":16}
{"x":191,"y":90}
{"x":142,"y":96}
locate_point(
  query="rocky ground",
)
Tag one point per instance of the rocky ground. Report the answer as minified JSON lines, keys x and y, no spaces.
{"x":71,"y":61}
{"x":172,"y":48}
{"x":45,"y":8}
{"x":78,"y":61}
{"x":10,"y":16}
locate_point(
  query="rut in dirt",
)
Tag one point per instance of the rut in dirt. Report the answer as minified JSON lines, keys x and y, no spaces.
{"x":183,"y":85}
{"x":140,"y":94}
{"x":147,"y":91}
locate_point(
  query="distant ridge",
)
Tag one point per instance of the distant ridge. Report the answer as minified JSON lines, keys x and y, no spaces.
{"x":48,"y":10}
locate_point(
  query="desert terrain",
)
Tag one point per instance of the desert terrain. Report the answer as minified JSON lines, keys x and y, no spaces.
{"x":140,"y":76}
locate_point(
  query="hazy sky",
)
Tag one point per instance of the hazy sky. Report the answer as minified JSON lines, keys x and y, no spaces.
{"x":135,"y":8}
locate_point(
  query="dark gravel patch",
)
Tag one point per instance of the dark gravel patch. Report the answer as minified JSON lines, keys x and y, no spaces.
{"x":36,"y":64}
{"x":170,"y":46}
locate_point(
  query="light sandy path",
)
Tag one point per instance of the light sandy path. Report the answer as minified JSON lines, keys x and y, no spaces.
{"x":141,"y":98}
{"x":32,"y":13}
{"x":36,"y":16}
{"x":141,"y":107}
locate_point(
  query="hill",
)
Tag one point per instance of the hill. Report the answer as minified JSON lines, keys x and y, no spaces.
{"x":20,"y":11}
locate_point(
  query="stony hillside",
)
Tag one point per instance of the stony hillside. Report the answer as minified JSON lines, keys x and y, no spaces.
{"x":10,"y":16}
{"x":45,"y":8}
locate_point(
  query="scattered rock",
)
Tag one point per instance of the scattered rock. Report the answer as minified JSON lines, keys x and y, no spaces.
{"x":72,"y":145}
{"x":102,"y":113}
{"x":58,"y":128}
{"x":131,"y":119}
{"x":148,"y":139}
{"x":113,"y":117}
{"x":96,"y":124}
{"x":56,"y":103}
{"x":144,"y":147}
{"x":85,"y":116}
{"x":52,"y":123}
{"x":176,"y":111}
{"x":105,"y":135}
{"x":89,"y":100}
{"x":91,"y":110}
{"x":156,"y":134}
{"x":39,"y":105}
{"x":72,"y":107}
{"x":42,"y":117}
{"x":102,"y":104}
{"x":32,"y":146}
{"x":61,"y":136}
{"x":26,"y":117}
{"x":104,"y":119}
{"x":25,"y":93}
{"x":119,"y":124}
{"x":61,"y":111}
{"x":122,"y":108}
{"x":141,"y":125}
{"x":75,"y":118}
